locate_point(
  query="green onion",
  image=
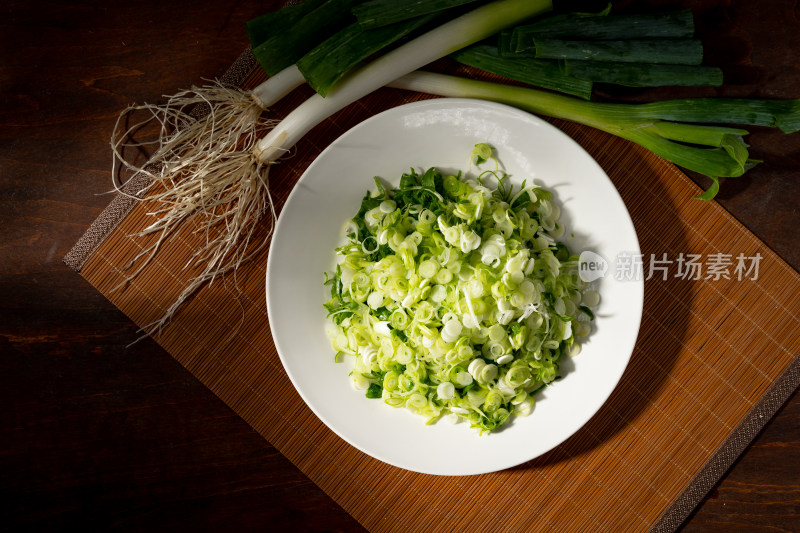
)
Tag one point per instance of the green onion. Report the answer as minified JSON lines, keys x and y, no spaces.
{"x":783,"y":114}
{"x":286,"y":47}
{"x":546,"y":74}
{"x":474,"y":26}
{"x":377,"y":13}
{"x":328,"y":62}
{"x":643,"y":74}
{"x":714,"y":151}
{"x":214,"y":169}
{"x":594,"y":26}
{"x":667,"y":51}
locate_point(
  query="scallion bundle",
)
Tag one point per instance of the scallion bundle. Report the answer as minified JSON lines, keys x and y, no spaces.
{"x":636,"y":50}
{"x":218,"y":176}
{"x":213,"y":169}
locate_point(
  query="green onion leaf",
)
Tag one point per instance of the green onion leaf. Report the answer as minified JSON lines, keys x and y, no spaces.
{"x":595,"y":26}
{"x":276,"y":22}
{"x":665,"y":51}
{"x":545,"y":74}
{"x":711,"y":192}
{"x":323,"y":66}
{"x":644,"y":74}
{"x":377,"y":13}
{"x":783,"y":114}
{"x":708,"y":161}
{"x":287,"y":47}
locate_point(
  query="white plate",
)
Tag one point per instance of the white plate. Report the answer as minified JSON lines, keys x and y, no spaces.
{"x":442,"y":133}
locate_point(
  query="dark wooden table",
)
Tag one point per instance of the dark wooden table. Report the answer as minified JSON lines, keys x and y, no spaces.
{"x":99,"y":435}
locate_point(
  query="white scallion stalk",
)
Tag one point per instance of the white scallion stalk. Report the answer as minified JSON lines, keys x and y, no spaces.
{"x":276,"y":87}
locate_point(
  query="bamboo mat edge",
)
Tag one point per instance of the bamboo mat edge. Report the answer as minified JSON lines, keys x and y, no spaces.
{"x":697,"y":489}
{"x":736,"y":443}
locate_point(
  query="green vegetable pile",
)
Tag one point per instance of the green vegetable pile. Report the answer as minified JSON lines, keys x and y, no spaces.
{"x":455,"y":297}
{"x":569,"y":52}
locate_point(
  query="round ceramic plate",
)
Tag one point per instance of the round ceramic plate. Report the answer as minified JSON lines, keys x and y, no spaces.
{"x":442,"y":133}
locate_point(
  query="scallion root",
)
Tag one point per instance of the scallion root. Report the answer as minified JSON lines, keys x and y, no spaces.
{"x":227,"y":206}
{"x":194,"y":124}
{"x":229,"y":219}
{"x":203,"y":176}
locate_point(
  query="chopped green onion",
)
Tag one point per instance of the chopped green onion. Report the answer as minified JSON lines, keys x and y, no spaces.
{"x":501,"y":327}
{"x":643,"y":74}
{"x":667,"y":51}
{"x":544,"y":74}
{"x":377,"y":13}
{"x":374,"y":391}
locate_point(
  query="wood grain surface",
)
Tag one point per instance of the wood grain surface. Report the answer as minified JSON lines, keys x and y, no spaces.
{"x":104,"y":435}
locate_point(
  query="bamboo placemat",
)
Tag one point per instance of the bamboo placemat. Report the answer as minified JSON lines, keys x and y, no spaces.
{"x":715,"y":358}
